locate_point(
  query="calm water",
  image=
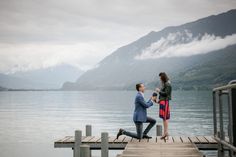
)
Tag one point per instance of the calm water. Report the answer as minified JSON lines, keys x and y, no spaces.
{"x":31,"y":121}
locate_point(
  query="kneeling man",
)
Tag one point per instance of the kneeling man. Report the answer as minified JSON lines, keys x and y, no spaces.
{"x":140,"y":115}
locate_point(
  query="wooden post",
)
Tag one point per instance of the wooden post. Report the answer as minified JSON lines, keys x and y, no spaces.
{"x":158,"y":130}
{"x":84,"y":151}
{"x":78,"y":141}
{"x":232,"y":119}
{"x":88,"y":130}
{"x":104,"y":144}
{"x":220,"y":152}
{"x":233,"y":104}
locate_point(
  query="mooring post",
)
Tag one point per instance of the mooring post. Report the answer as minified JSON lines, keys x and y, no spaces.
{"x":233,"y":115}
{"x":84,"y":150}
{"x":88,"y":132}
{"x":104,"y":144}
{"x":78,"y":141}
{"x":158,"y":130}
{"x":220,"y":152}
{"x":88,"y":129}
{"x":232,"y":119}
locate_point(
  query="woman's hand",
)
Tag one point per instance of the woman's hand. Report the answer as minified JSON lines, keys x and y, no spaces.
{"x":158,"y":90}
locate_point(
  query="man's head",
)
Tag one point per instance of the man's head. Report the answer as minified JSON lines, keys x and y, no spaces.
{"x":140,"y":87}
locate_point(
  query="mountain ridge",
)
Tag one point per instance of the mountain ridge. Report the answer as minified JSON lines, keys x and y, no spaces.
{"x":146,"y":38}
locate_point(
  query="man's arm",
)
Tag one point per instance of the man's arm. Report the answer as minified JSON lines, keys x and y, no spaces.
{"x":145,"y":104}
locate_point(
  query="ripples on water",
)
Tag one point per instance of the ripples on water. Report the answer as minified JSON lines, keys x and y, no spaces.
{"x":31,"y":121}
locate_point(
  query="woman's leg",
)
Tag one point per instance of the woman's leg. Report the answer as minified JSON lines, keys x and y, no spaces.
{"x":167,"y":116}
{"x":165,"y":124}
{"x":165,"y":135}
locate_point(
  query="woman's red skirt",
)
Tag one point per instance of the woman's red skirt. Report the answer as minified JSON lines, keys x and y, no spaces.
{"x":164,"y":111}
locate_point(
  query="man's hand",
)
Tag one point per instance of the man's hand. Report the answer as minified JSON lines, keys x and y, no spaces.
{"x":158,"y":90}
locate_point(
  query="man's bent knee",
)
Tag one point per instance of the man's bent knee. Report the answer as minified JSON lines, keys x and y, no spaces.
{"x":153,"y":121}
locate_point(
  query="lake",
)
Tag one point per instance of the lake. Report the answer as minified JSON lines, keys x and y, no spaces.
{"x":30,"y":121}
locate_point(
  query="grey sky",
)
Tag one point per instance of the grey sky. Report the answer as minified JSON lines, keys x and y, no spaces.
{"x":41,"y":33}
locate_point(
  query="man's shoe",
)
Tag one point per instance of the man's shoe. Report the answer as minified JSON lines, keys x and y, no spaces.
{"x":146,"y":136}
{"x":119,"y":133}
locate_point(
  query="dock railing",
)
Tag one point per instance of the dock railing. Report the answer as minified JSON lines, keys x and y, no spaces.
{"x":225,"y":143}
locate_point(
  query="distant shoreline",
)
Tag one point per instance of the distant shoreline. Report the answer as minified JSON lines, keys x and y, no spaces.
{"x":9,"y":90}
{"x":35,"y":90}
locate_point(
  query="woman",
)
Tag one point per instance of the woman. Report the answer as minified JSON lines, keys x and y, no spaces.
{"x":164,"y":98}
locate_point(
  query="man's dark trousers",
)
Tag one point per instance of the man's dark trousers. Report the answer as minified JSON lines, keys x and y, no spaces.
{"x":139,"y":128}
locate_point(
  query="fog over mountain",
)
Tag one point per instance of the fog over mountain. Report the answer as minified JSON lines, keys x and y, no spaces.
{"x":197,"y":55}
{"x":180,"y":44}
{"x":47,"y":78}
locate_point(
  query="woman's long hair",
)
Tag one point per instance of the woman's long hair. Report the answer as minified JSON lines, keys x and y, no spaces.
{"x":164,"y":78}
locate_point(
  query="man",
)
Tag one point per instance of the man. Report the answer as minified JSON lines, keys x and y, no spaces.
{"x":140,"y":115}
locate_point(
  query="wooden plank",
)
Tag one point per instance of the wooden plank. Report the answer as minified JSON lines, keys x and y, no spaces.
{"x":70,"y":140}
{"x":153,"y":139}
{"x":127,"y":139}
{"x":95,"y":140}
{"x":160,"y":145}
{"x":144,"y":140}
{"x":177,"y":139}
{"x":185,"y":139}
{"x":111,"y":139}
{"x":160,"y":155}
{"x":170,"y":140}
{"x":194,"y":139}
{"x":87,"y":139}
{"x":159,"y":140}
{"x":120,"y":140}
{"x":135,"y":140}
{"x":202,"y":139}
{"x":210,"y":139}
{"x":160,"y":149}
{"x":63,"y":139}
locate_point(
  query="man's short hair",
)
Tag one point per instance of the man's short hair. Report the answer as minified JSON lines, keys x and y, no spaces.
{"x":138,"y":85}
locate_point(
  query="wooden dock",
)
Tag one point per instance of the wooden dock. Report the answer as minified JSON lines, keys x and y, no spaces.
{"x":201,"y":142}
{"x":175,"y":146}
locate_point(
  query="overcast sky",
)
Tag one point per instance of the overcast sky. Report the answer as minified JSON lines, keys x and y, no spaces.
{"x":41,"y":33}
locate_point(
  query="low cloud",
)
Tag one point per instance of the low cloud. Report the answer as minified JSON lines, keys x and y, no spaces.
{"x":25,"y":57}
{"x":183,"y":44}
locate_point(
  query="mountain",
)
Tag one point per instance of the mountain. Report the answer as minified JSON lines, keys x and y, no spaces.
{"x":14,"y":82}
{"x":3,"y":89}
{"x":47,"y":78}
{"x":198,"y":54}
